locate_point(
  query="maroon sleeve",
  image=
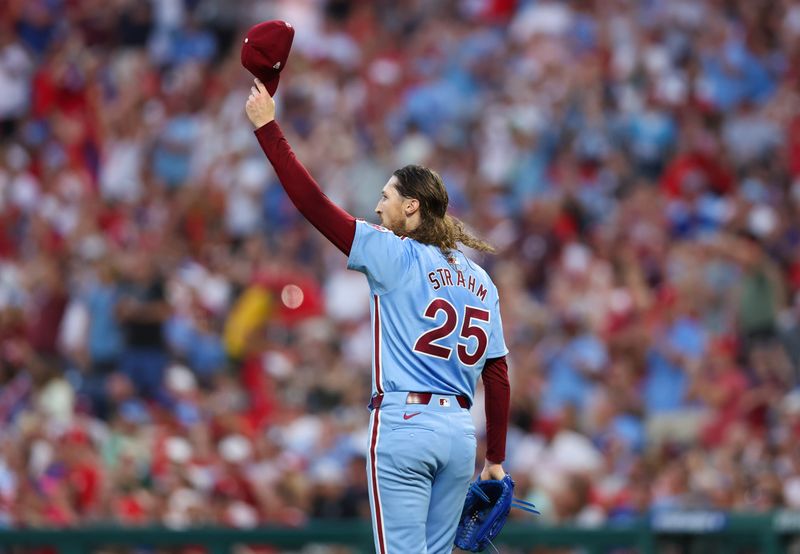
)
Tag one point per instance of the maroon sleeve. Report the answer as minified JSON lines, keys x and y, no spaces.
{"x":337,"y":225}
{"x":498,"y":393}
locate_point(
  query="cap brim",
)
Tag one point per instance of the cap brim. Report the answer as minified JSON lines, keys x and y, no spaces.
{"x":272,"y":84}
{"x":268,"y":77}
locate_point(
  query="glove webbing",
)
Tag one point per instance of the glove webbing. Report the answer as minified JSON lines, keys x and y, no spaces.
{"x":515,"y":502}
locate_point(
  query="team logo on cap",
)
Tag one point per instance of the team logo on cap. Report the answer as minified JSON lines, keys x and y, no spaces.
{"x":277,"y":65}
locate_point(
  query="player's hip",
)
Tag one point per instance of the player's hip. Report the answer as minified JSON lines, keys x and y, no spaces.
{"x":442,"y":413}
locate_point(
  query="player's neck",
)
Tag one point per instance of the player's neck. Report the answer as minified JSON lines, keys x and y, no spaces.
{"x":412,"y":223}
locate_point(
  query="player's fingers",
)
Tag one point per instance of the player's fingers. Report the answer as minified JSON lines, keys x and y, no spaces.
{"x":260,"y":85}
{"x":254,"y":91}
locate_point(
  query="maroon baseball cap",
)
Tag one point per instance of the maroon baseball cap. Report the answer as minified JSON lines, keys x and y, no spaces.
{"x":265,"y":50}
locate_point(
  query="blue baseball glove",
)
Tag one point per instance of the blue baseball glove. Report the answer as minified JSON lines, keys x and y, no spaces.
{"x":485,"y":511}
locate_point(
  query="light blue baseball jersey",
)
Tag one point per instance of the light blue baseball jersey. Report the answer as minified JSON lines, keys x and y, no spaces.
{"x":435,"y":320}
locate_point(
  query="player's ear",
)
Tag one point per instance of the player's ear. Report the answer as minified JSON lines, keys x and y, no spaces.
{"x":411,"y":205}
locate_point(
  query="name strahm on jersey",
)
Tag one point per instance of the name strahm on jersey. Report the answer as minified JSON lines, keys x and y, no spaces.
{"x":445,"y":279}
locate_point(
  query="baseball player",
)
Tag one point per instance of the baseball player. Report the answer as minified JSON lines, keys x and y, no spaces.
{"x":436,"y":328}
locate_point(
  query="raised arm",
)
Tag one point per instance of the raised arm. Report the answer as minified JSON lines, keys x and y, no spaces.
{"x":337,"y":225}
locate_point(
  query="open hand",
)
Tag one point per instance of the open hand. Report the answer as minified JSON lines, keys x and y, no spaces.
{"x":260,"y":107}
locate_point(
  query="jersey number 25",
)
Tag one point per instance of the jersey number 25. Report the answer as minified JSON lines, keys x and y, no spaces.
{"x":426,"y":343}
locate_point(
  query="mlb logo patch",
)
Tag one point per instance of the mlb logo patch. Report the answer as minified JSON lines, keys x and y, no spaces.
{"x":444,"y":402}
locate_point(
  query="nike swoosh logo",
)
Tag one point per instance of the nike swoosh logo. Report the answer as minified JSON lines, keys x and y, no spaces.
{"x":409,"y":416}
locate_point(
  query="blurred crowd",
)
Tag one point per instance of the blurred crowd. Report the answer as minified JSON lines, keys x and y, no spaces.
{"x":178,"y":346}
